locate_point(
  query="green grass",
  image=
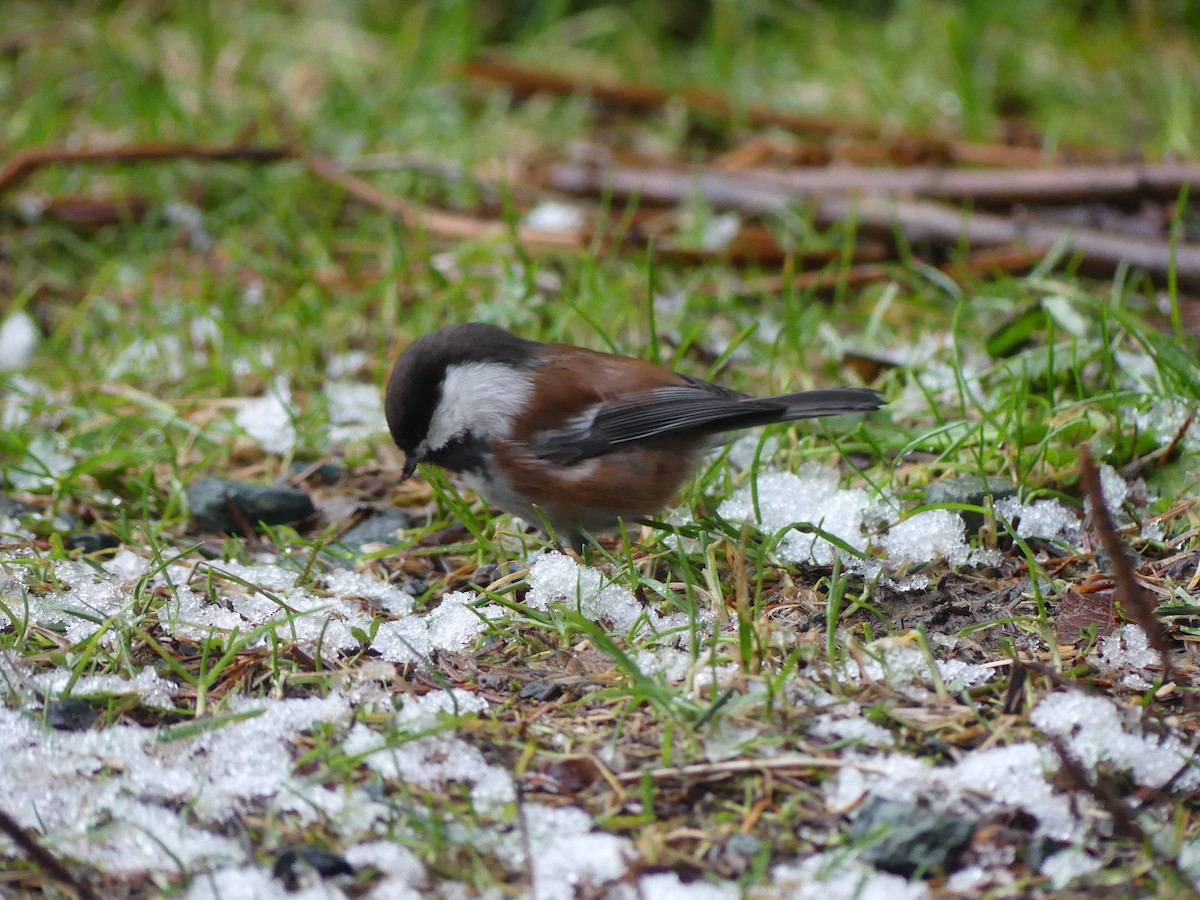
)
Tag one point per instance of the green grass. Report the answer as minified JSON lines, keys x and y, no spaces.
{"x":151,"y":329}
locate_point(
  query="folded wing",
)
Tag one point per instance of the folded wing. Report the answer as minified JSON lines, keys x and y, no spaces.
{"x":697,"y":407}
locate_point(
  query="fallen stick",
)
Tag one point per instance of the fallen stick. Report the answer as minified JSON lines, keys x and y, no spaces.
{"x":435,"y":222}
{"x":25,"y":163}
{"x":942,"y":226}
{"x":526,"y":81}
{"x":980,"y":264}
{"x":1060,"y":185}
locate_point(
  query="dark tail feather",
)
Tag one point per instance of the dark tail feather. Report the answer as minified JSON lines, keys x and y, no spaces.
{"x":827,"y":402}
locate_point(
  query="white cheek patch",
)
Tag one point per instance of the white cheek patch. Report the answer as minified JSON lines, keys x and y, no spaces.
{"x":479,"y":397}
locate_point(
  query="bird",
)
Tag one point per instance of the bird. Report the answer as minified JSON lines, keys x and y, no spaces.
{"x":584,"y":436}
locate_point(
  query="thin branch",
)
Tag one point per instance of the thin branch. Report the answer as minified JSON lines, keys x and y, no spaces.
{"x":21,"y":166}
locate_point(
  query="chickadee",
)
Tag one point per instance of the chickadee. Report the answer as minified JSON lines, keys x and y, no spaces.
{"x":587,"y":437}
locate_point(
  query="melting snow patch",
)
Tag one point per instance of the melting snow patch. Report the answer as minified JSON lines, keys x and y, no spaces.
{"x":1164,"y":418}
{"x":161,"y":356}
{"x":999,"y":779}
{"x":1128,"y":653}
{"x":269,"y":419}
{"x":812,"y":496}
{"x":903,"y":666}
{"x":555,"y":578}
{"x":250,"y":883}
{"x":855,"y":729}
{"x":435,"y":760}
{"x":452,"y":625}
{"x":154,"y":690}
{"x":355,"y":411}
{"x":567,"y":853}
{"x":1066,"y":865}
{"x":403,"y":873}
{"x":383,"y":594}
{"x":1095,"y":730}
{"x":132,"y":783}
{"x":19,"y":338}
{"x":1046,"y":519}
{"x":834,"y":876}
{"x":553,"y":216}
{"x":668,"y":886}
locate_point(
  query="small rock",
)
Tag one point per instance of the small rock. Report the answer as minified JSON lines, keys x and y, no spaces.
{"x":970,"y":489}
{"x":906,"y":839}
{"x":210,"y":499}
{"x":14,"y":508}
{"x":295,"y":859}
{"x":70,"y":715}
{"x":739,"y":852}
{"x":92,"y":542}
{"x":541,"y":691}
{"x":414,"y":586}
{"x":380,"y":529}
{"x":327,"y":473}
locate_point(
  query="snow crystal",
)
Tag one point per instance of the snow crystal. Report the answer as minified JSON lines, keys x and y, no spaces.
{"x":831,"y":728}
{"x":15,"y":400}
{"x":568,"y":853}
{"x":1094,"y":730}
{"x":1129,"y":649}
{"x":420,"y":713}
{"x":743,"y":451}
{"x":1066,"y":865}
{"x":153,"y":689}
{"x":355,"y":411}
{"x":812,"y":496}
{"x":550,"y":215}
{"x":1047,"y":519}
{"x":383,"y":594}
{"x":269,"y":419}
{"x":1164,"y":418}
{"x":834,"y":876}
{"x":997,"y":779}
{"x":718,"y":231}
{"x":343,"y":365}
{"x":1113,"y":488}
{"x":555,"y":578}
{"x":19,"y":336}
{"x":403,"y":872}
{"x":161,"y":356}
{"x":433,"y":762}
{"x":668,"y":886}
{"x":452,"y":625}
{"x":125,"y":778}
{"x":933,"y":534}
{"x":251,"y":883}
{"x":902,"y":665}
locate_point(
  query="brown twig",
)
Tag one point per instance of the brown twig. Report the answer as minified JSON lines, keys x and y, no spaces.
{"x":920,"y":222}
{"x":25,"y":163}
{"x":974,"y":266}
{"x":50,"y":863}
{"x":91,"y":212}
{"x":1045,"y":186}
{"x":733,"y":766}
{"x":434,"y":222}
{"x":1133,"y":599}
{"x":527,"y":81}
